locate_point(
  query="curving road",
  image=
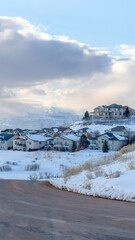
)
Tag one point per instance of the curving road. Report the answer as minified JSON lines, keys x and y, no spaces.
{"x":36,"y":211}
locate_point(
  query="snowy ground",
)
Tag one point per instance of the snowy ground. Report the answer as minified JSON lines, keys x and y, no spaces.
{"x":52,"y":164}
{"x":101,"y":128}
{"x":113,"y":179}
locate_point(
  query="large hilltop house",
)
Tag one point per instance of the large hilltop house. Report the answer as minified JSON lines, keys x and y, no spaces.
{"x":113,"y":111}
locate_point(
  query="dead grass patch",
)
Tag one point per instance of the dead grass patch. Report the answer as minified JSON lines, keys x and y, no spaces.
{"x":131,"y":165}
{"x":114,"y":174}
{"x":87,"y":186}
{"x":127,"y":149}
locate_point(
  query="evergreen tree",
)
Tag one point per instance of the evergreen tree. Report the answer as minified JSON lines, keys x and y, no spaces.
{"x":84,"y":142}
{"x":105,"y":147}
{"x":86,"y":115}
{"x":127,"y":112}
{"x":73,"y":147}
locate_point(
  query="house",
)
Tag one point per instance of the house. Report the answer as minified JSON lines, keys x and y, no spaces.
{"x":18,"y":131}
{"x":113,"y":111}
{"x":131,"y":135}
{"x":59,"y":130}
{"x":65,"y":142}
{"x":68,"y":130}
{"x":93,"y":143}
{"x":82,"y":131}
{"x":19,"y":143}
{"x":35,"y":142}
{"x":6,"y":141}
{"x":49,"y":144}
{"x":120,"y":130}
{"x":115,"y":142}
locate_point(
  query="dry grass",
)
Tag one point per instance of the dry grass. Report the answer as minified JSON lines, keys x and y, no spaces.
{"x":114,"y":174}
{"x":124,"y":158}
{"x":76,"y":170}
{"x":73,"y":171}
{"x":87,"y":186}
{"x":99,"y":172}
{"x":131,"y":165}
{"x":94,"y":166}
{"x":48,"y":156}
{"x":127,"y":149}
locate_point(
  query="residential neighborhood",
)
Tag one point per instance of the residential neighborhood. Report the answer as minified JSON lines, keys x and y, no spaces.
{"x":69,"y":138}
{"x":116,"y":138}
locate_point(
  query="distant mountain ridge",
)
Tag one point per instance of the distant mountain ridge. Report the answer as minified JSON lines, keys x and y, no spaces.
{"x":48,"y":117}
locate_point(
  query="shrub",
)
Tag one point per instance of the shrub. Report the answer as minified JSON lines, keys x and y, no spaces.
{"x":14,"y":163}
{"x":8,"y":162}
{"x":5,"y":168}
{"x":105,"y":147}
{"x":99,"y":172}
{"x":73,"y":147}
{"x":33,"y":177}
{"x":89,"y":176}
{"x":32,"y":167}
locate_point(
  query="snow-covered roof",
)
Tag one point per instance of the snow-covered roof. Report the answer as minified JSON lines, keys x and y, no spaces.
{"x":114,"y":137}
{"x":108,"y":136}
{"x":72,"y":137}
{"x":37,"y":137}
{"x":120,"y":137}
{"x":6,"y":137}
{"x":55,"y":130}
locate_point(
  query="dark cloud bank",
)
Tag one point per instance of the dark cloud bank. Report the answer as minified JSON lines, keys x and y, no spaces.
{"x":30,"y":59}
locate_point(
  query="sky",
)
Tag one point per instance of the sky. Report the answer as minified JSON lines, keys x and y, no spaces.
{"x":70,"y":55}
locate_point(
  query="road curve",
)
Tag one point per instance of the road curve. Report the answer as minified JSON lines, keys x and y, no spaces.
{"x":37,"y":211}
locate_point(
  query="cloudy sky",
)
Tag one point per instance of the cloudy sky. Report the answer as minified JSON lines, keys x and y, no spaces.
{"x":70,"y":55}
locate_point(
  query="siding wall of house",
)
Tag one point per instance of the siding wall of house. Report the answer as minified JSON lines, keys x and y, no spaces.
{"x":6,"y":144}
{"x":112,"y":144}
{"x":60,"y":143}
{"x":33,"y":145}
{"x":19,"y":144}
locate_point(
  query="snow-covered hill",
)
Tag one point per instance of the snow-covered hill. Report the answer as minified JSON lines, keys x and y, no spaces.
{"x":110,"y":177}
{"x":101,"y":128}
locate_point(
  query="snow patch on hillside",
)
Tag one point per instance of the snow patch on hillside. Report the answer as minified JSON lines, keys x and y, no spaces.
{"x":117,"y":181}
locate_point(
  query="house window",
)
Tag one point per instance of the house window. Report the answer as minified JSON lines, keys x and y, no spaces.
{"x":30,"y":143}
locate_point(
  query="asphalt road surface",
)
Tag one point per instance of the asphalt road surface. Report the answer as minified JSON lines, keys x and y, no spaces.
{"x":37,"y":211}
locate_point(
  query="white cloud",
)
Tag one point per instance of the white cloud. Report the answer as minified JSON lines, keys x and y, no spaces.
{"x":128,"y":50}
{"x":38,"y":70}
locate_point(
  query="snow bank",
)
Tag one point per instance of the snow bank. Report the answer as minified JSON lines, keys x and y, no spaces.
{"x":116,"y":182}
{"x":122,"y":188}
